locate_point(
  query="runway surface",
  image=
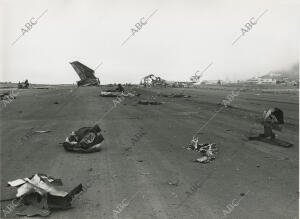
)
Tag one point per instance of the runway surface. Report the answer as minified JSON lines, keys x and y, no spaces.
{"x":143,"y":162}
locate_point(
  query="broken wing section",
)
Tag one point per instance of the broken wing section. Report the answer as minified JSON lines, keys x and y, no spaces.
{"x":86,"y":75}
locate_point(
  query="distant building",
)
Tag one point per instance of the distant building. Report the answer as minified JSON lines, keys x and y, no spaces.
{"x":254,"y":80}
{"x":267,"y":81}
{"x":275,"y":74}
{"x":259,"y":80}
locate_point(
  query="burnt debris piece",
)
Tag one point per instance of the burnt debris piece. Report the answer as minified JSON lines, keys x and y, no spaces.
{"x":38,"y":195}
{"x":208,"y":150}
{"x":84,"y":140}
{"x":149,"y":102}
{"x":86,"y":75}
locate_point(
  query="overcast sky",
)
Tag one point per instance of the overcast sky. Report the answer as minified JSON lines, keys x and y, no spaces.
{"x":182,"y":37}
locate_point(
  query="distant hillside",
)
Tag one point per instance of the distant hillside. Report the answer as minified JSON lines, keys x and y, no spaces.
{"x":291,"y":74}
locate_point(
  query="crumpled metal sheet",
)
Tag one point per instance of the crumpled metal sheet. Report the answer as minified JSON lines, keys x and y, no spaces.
{"x":16,"y":182}
{"x":38,"y":183}
{"x":48,"y":179}
{"x":38,"y":195}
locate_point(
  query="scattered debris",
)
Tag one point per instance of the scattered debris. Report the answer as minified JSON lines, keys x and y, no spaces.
{"x":174,"y":183}
{"x":149,"y":102}
{"x":120,"y":88}
{"x":7,"y":95}
{"x":203,"y":159}
{"x":128,"y":94}
{"x":39,"y":195}
{"x":208,"y":151}
{"x":118,"y":94}
{"x":40,"y":132}
{"x":23,"y":85}
{"x":85,"y":140}
{"x":109,"y":94}
{"x":175,"y":95}
{"x":153,"y":81}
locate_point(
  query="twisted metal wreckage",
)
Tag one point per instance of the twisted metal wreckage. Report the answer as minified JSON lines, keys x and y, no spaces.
{"x":38,"y":195}
{"x":86,"y":75}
